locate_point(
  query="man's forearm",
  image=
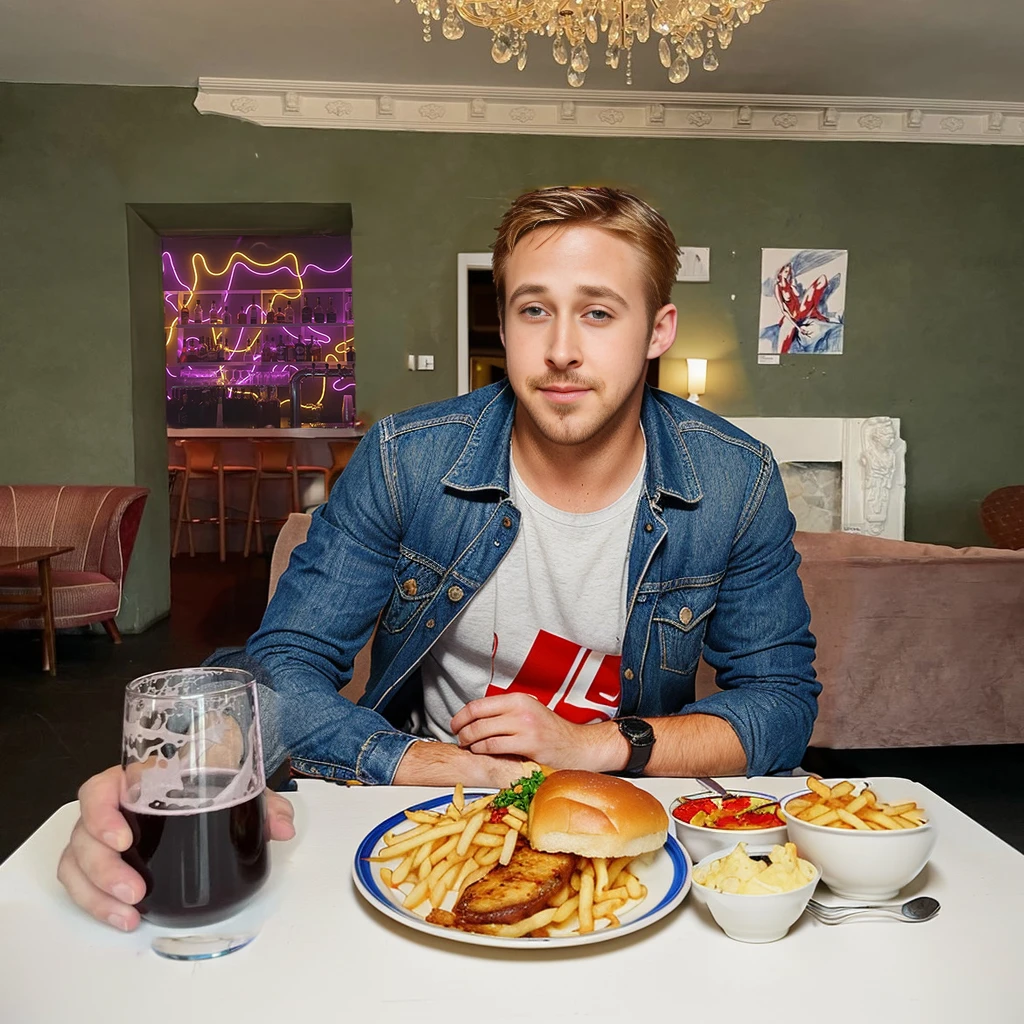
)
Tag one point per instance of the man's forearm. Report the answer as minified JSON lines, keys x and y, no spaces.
{"x":685,"y":745}
{"x":443,"y":764}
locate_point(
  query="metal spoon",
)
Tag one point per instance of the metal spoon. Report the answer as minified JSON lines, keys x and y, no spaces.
{"x":715,"y":787}
{"x":921,"y":908}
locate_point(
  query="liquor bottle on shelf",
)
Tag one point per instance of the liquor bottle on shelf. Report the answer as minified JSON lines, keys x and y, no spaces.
{"x":300,"y":351}
{"x":315,"y":350}
{"x":289,"y":350}
{"x":279,"y":315}
{"x":348,"y":307}
{"x":240,"y":317}
{"x":307,"y":310}
{"x":197,"y":311}
{"x":332,"y":313}
{"x":318,"y":312}
{"x":213,"y":313}
{"x":254,"y":311}
{"x":289,"y":313}
{"x":271,"y":317}
{"x":183,"y":312}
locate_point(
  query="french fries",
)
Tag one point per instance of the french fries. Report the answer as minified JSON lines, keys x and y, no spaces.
{"x":444,"y":852}
{"x":836,"y":807}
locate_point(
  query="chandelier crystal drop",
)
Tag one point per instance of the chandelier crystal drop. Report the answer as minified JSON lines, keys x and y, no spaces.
{"x":689,"y":29}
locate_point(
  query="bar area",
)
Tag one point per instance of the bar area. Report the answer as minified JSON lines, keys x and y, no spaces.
{"x":259,"y":339}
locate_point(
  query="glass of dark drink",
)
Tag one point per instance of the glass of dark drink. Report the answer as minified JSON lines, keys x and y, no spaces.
{"x":193,"y":793}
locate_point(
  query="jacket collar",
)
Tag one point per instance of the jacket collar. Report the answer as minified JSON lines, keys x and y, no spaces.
{"x":483,"y":464}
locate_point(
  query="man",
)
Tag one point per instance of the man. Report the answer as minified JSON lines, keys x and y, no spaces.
{"x":544,"y":560}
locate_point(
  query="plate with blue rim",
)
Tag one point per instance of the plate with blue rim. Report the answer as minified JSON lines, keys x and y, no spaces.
{"x":666,"y":873}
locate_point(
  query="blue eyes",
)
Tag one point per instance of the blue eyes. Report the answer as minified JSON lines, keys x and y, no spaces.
{"x":596,"y":315}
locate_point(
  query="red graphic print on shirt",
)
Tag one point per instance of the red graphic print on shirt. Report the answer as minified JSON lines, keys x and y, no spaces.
{"x":578,"y":684}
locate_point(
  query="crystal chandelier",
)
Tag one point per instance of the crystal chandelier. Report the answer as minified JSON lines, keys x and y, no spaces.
{"x":689,"y":29}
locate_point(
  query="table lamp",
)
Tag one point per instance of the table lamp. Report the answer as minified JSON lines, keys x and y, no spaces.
{"x":696,"y":378}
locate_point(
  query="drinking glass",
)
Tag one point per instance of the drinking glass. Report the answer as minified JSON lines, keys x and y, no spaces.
{"x":193,"y":793}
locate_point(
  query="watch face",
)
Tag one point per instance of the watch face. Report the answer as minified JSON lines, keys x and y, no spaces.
{"x":637,"y":731}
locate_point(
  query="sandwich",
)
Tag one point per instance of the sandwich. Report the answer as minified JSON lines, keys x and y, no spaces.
{"x":572,"y":815}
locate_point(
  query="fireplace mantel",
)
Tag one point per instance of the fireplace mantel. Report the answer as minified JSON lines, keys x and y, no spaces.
{"x":871,"y":455}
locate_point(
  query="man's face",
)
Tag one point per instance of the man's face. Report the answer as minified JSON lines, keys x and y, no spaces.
{"x":576,"y":331}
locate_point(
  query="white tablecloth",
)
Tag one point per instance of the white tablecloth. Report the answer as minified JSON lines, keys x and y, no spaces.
{"x":324,"y":955}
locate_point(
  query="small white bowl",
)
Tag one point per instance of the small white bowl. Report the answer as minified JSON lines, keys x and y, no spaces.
{"x":761,"y":918}
{"x":700,"y":842}
{"x":864,"y":865}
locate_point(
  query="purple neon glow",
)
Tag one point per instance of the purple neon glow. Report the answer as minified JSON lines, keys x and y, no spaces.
{"x":256,"y":372}
{"x":259,"y":273}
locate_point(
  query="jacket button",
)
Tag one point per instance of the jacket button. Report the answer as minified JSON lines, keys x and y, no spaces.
{"x":648,"y":527}
{"x":455,"y":594}
{"x":506,"y":522}
{"x":628,"y":673}
{"x":409,"y":588}
{"x":685,"y":616}
{"x":430,"y":623}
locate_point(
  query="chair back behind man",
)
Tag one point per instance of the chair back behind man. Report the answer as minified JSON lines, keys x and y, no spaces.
{"x":292,"y":534}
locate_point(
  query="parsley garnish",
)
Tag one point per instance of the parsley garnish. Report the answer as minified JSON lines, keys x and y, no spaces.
{"x":520,"y":793}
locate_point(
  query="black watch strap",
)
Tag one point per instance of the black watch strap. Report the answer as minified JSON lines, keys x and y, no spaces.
{"x":640,"y":735}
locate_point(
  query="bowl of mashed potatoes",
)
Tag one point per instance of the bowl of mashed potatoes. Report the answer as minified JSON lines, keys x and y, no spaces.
{"x":755,"y":893}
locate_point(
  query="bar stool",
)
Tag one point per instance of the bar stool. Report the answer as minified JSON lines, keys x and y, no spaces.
{"x":203,"y":461}
{"x":341,"y":452}
{"x":275,"y":460}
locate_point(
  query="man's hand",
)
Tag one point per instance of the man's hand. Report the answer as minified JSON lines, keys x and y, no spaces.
{"x":516,"y":723}
{"x":91,"y":868}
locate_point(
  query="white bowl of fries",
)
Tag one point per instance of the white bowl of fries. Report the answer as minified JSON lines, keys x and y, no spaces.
{"x":699,"y":841}
{"x":869,"y":840}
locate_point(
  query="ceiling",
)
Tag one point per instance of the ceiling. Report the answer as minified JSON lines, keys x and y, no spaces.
{"x":927,"y":49}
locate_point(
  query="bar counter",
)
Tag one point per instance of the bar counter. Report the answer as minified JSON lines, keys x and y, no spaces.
{"x":267,"y":433}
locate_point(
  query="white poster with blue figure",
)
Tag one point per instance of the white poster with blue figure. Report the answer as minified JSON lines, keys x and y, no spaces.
{"x":803,"y":301}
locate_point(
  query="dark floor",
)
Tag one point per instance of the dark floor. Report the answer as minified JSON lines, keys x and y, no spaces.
{"x":54,"y":733}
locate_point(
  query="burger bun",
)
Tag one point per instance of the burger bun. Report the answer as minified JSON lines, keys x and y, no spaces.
{"x":594,"y":815}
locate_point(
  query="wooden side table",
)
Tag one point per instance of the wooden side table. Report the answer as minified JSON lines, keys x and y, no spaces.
{"x":15,"y":556}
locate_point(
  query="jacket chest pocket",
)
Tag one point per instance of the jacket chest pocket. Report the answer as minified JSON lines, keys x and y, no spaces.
{"x":681,"y":618}
{"x":415,"y":584}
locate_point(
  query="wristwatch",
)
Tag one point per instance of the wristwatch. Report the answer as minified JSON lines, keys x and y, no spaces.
{"x":640,"y":735}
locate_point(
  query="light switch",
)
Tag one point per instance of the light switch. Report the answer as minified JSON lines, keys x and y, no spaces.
{"x":411,"y":362}
{"x":424,"y":362}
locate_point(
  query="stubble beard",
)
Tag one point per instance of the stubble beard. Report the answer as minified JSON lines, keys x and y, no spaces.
{"x":566,"y":424}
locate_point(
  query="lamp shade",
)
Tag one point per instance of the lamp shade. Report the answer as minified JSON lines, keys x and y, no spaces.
{"x":696,"y":377}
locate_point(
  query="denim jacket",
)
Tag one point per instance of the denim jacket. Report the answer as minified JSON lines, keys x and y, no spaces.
{"x":421,"y":518}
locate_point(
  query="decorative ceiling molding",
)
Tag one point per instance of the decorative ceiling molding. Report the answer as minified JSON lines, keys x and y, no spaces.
{"x":610,"y":114}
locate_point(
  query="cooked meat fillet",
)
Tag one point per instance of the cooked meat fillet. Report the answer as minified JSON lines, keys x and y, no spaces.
{"x":513,"y":892}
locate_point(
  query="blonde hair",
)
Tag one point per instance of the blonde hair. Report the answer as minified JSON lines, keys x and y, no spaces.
{"x":609,"y":208}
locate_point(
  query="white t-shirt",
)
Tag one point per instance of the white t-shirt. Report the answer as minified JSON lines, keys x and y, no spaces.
{"x":549,"y":621}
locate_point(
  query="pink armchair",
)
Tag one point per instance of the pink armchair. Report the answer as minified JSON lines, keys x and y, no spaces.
{"x":102,"y":524}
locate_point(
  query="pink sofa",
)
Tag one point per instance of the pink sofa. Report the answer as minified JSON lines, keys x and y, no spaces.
{"x":919,"y":645}
{"x":102,"y":524}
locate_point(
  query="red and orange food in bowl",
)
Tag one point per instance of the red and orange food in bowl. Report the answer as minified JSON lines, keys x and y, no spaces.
{"x":732,"y":812}
{"x":706,"y":823}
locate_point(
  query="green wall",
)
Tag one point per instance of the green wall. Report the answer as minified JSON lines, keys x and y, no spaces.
{"x":932,"y":321}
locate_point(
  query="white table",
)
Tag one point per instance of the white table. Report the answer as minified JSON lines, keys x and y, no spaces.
{"x":323,"y":954}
